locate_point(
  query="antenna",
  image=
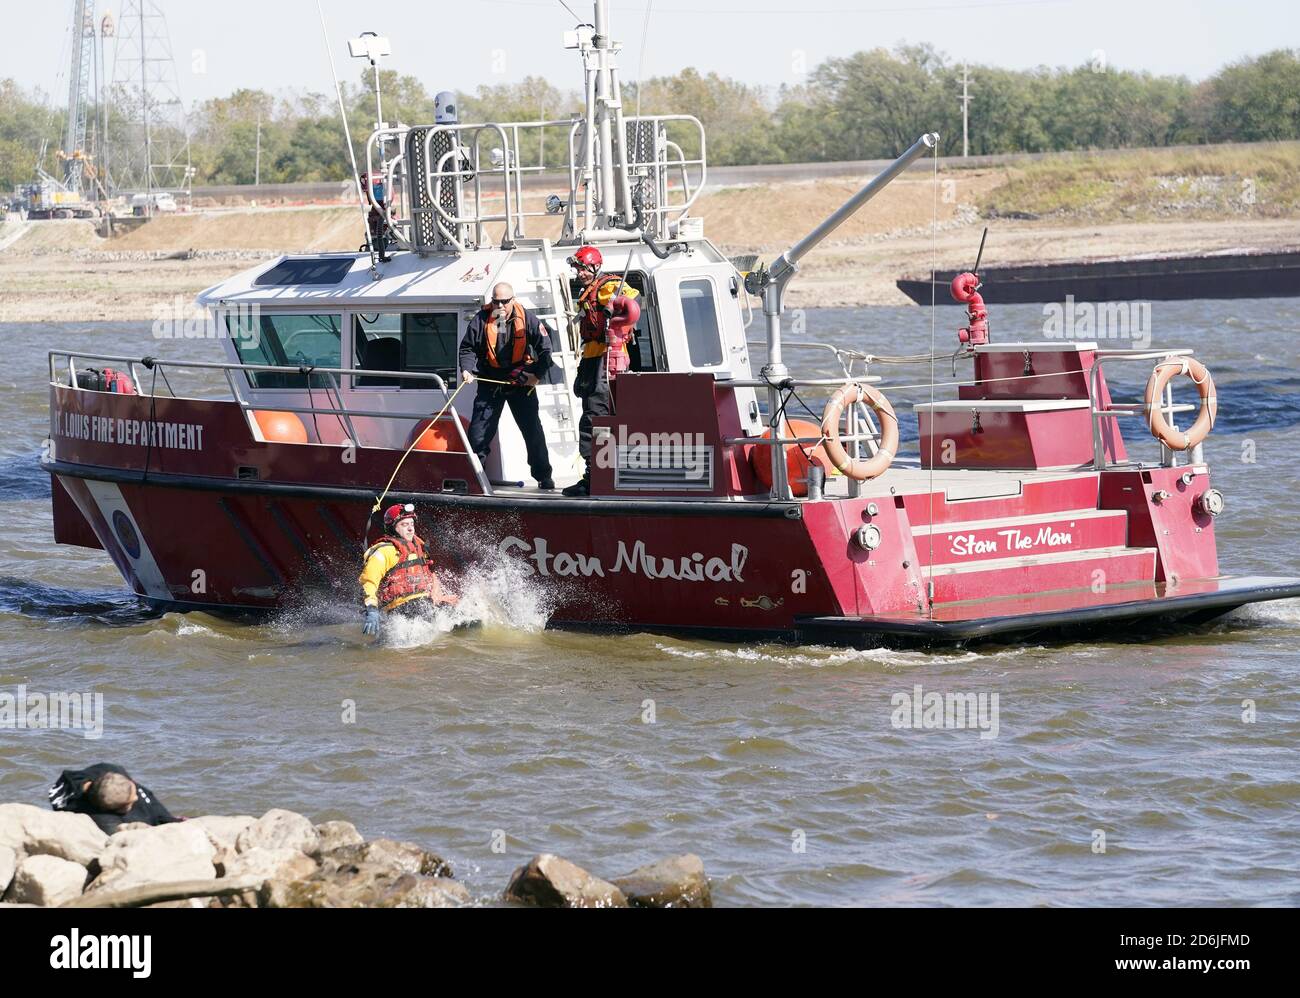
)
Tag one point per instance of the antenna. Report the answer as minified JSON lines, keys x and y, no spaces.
{"x":980,"y":255}
{"x":352,"y":153}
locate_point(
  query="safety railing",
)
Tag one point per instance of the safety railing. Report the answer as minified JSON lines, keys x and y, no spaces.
{"x":670,"y":181}
{"x":1168,"y":457}
{"x":485,"y":183}
{"x":861,"y":428}
{"x":59,"y":359}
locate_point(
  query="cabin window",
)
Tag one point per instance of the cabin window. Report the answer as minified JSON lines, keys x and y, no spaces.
{"x":408,"y":341}
{"x":703,"y":339}
{"x":286,"y":341}
{"x":643,"y":350}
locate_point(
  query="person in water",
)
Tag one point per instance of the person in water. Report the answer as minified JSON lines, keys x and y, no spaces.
{"x":397,"y":576}
{"x":109,"y":795}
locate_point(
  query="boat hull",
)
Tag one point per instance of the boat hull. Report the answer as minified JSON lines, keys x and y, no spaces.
{"x":783,"y":572}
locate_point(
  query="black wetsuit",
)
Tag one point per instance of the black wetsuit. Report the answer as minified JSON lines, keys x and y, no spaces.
{"x":67,"y":795}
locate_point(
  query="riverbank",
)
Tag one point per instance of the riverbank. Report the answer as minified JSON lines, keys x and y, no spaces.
{"x":283,"y":860}
{"x":1069,"y":209}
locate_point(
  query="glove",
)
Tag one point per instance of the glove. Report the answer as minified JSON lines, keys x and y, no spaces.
{"x":371,"y":626}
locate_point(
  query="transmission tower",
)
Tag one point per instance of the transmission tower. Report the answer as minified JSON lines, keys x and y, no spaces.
{"x":150,"y":136}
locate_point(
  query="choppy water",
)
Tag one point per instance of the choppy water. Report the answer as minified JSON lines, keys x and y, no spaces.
{"x":754,"y":751}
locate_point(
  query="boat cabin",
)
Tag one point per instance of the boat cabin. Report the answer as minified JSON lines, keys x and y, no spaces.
{"x":327,"y":314}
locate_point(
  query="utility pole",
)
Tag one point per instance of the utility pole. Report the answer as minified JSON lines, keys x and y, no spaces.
{"x":965,"y":111}
{"x":257,"y":158}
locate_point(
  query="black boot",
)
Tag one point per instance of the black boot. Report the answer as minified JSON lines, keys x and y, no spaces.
{"x":582,"y":487}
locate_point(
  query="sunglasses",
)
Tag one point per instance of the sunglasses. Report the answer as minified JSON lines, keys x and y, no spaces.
{"x":502,"y":301}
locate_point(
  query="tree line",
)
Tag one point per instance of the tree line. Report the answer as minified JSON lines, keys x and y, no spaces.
{"x":869,"y":105}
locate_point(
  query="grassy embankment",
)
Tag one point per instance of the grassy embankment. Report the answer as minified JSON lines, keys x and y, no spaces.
{"x":1151,"y":185}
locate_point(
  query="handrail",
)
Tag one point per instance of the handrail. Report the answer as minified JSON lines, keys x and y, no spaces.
{"x":1168,"y":458}
{"x":247,"y":407}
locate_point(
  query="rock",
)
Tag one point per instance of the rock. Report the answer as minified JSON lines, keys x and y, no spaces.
{"x":223,"y":831}
{"x":336,"y":834}
{"x":157,"y":854}
{"x":270,"y":864}
{"x":280,"y":829}
{"x":410,"y":891}
{"x":548,"y":881}
{"x":399,"y":857}
{"x":676,"y":882}
{"x":46,"y":880}
{"x":8,"y":864}
{"x":130,"y":826}
{"x":363,"y":885}
{"x":34,"y":831}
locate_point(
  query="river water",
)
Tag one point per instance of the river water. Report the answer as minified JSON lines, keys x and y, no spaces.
{"x":1122,"y":772}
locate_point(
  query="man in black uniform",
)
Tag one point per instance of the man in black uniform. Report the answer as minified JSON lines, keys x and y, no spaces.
{"x":109,"y":795}
{"x":507,"y":342}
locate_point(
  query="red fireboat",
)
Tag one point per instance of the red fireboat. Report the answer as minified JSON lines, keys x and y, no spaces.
{"x":252,"y":486}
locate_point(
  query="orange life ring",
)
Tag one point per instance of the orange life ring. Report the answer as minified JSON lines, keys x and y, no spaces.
{"x":1160,"y":377}
{"x":857,"y":468}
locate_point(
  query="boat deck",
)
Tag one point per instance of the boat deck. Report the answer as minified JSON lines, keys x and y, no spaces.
{"x":955,"y":484}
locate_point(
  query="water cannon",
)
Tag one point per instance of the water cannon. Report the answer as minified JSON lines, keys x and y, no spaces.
{"x":966,"y":290}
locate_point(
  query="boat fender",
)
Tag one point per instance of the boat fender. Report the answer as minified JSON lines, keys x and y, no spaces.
{"x":1164,"y":372}
{"x":857,"y":468}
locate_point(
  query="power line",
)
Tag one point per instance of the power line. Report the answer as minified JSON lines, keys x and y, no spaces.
{"x":837,"y":11}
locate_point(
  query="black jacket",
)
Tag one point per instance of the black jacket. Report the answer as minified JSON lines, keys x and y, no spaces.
{"x":473,"y":348}
{"x":67,"y":795}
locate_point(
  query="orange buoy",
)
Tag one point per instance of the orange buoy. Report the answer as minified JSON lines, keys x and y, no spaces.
{"x":439,"y":436}
{"x":860,"y":469}
{"x":796,"y":461}
{"x":280,"y":427}
{"x":1165,"y":372}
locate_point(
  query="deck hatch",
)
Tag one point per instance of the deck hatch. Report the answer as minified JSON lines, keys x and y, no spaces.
{"x":306,"y":270}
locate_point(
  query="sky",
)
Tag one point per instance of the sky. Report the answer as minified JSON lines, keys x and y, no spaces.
{"x":277,"y":44}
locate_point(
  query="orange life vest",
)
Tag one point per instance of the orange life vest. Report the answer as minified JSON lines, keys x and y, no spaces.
{"x":518,"y":339}
{"x":594,"y":320}
{"x":411,"y":576}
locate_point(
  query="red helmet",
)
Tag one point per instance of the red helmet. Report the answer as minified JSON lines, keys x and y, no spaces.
{"x":398,"y":511}
{"x":587,"y":256}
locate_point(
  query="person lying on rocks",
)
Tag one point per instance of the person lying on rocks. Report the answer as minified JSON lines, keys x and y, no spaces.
{"x":109,"y":795}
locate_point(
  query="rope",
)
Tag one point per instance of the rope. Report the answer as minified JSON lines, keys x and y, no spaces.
{"x":379,"y":502}
{"x":934,"y":264}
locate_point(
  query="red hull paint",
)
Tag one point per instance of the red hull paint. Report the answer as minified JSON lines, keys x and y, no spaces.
{"x":221,"y":518}
{"x":1183,"y":534}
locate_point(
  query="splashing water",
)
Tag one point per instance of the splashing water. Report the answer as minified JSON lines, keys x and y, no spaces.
{"x":505,"y":596}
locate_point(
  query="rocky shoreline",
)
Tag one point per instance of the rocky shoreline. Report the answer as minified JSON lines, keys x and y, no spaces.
{"x":284,"y":860}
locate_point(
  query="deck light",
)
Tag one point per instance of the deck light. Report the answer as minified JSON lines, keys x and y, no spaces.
{"x":868,"y":537}
{"x":1210,"y":502}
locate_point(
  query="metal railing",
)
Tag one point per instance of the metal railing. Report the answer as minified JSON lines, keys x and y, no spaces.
{"x":667,"y":181}
{"x":1168,"y":457}
{"x":341,"y":411}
